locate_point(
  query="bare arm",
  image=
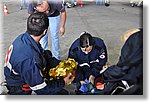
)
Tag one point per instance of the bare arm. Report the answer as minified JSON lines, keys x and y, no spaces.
{"x":63,"y":21}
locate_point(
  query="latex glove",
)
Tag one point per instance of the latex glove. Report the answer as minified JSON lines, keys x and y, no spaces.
{"x":82,"y":82}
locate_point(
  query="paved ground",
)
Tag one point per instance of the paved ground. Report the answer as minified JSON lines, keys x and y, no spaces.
{"x":107,"y":23}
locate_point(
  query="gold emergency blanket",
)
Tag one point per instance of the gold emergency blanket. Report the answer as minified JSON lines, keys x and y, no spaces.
{"x":63,"y":69}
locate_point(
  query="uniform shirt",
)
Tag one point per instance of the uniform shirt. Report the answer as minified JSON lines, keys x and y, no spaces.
{"x":91,"y":63}
{"x":55,"y":8}
{"x":23,"y":63}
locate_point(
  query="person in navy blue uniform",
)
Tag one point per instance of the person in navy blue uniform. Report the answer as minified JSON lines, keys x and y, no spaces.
{"x":25,"y":60}
{"x":91,"y":55}
{"x":129,"y":67}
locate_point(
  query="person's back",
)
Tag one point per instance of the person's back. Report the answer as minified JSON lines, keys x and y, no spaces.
{"x":130,"y":65}
{"x":25,"y":62}
{"x":19,"y":51}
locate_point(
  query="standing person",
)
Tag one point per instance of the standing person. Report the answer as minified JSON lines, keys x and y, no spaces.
{"x":23,"y":3}
{"x":56,"y":13}
{"x":25,"y":61}
{"x":91,"y":55}
{"x":101,"y":2}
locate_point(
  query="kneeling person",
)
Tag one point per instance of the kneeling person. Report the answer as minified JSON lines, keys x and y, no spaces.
{"x":25,"y":60}
{"x":91,"y":55}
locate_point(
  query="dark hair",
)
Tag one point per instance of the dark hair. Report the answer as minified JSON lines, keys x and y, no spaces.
{"x":86,"y":40}
{"x":37,"y":23}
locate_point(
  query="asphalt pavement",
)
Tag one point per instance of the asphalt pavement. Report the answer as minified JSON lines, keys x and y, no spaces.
{"x":108,"y":23}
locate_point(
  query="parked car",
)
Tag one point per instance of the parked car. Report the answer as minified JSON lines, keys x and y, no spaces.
{"x":107,"y":2}
{"x":136,"y":3}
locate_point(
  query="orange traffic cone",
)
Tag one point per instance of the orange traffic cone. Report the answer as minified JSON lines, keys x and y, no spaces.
{"x":5,"y":10}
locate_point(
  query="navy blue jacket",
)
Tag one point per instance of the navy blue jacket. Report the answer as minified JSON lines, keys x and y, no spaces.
{"x":91,"y":63}
{"x":23,"y":62}
{"x":130,"y":64}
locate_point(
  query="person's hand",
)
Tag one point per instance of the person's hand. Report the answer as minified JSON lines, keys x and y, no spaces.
{"x":62,"y":31}
{"x":69,"y":79}
{"x":91,"y":79}
{"x":82,"y":82}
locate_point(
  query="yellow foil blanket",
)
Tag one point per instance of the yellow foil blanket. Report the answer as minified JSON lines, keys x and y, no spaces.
{"x":63,"y":69}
